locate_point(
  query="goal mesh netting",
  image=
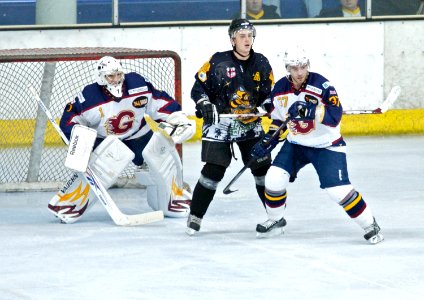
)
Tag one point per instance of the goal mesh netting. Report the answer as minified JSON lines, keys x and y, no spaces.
{"x":31,"y":151}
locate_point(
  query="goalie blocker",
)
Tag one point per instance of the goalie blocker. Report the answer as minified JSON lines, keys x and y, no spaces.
{"x":163,"y":179}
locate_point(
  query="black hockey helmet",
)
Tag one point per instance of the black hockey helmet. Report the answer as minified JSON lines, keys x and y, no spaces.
{"x":239,"y":24}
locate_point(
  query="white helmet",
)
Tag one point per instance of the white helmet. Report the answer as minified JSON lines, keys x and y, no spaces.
{"x":295,"y":57}
{"x":108,"y":65}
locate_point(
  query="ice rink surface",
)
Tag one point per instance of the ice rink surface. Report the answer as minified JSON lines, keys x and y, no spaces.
{"x":322,"y":254}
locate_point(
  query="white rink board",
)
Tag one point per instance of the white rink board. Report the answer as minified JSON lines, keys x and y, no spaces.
{"x":352,"y":55}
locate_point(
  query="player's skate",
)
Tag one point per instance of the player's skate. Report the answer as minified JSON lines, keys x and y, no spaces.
{"x":372,"y":233}
{"x":193,"y":224}
{"x":270,"y":228}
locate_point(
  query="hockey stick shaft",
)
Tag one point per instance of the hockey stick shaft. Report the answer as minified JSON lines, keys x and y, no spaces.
{"x":274,"y":136}
{"x":115,"y":213}
{"x":386,"y":105}
{"x":242,"y":115}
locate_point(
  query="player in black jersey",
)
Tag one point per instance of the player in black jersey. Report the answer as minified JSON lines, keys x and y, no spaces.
{"x":236,"y":81}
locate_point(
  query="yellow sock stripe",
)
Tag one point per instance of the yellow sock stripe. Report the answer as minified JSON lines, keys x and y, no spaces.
{"x":354,"y":202}
{"x":277,"y":198}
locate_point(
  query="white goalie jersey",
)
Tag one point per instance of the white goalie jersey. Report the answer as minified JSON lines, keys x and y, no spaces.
{"x":163,"y":178}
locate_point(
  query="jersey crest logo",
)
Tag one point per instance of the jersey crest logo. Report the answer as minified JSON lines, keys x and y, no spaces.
{"x":231,"y":72}
{"x":301,"y":127}
{"x":140,"y":102}
{"x":121,"y":123}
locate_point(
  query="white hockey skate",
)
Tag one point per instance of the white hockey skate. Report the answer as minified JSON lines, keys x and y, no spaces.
{"x":193,"y":224}
{"x":372,"y":233}
{"x":270,"y":228}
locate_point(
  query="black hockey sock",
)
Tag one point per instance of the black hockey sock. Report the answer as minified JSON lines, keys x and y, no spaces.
{"x":202,"y":197}
{"x":261,"y":193}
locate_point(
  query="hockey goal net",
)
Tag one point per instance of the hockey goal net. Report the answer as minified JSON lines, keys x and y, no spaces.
{"x":31,"y":152}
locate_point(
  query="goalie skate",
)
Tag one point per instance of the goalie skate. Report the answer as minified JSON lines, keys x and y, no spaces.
{"x":373,"y":235}
{"x":270,"y":228}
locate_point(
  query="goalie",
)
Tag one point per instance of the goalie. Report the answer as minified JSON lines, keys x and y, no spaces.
{"x":108,"y":115}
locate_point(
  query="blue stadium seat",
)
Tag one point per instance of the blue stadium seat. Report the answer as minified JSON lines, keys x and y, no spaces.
{"x":21,"y":12}
{"x":291,"y":9}
{"x":100,"y":11}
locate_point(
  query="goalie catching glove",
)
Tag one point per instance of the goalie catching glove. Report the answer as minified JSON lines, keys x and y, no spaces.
{"x":179,"y":127}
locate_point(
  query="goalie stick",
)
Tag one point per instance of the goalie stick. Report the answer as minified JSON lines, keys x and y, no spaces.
{"x":115,"y":213}
{"x":274,"y":136}
{"x":385,"y":106}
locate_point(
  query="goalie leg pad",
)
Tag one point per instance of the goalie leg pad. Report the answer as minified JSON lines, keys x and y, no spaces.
{"x":80,"y":147}
{"x":109,"y":159}
{"x":165,"y":187}
{"x":74,"y":199}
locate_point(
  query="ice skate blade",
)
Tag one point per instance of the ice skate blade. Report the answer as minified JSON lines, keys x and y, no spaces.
{"x":269,"y":234}
{"x":378,"y":238}
{"x":190,"y":231}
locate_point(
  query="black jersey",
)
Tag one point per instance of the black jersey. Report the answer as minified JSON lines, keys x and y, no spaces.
{"x":225,"y":78}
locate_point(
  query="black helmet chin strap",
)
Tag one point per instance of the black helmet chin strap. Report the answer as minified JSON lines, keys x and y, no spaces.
{"x":235,"y":50}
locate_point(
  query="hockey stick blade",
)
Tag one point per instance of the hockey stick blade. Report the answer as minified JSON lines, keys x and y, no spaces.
{"x":384,"y":107}
{"x":391,"y":99}
{"x":115,"y":213}
{"x":227,"y":189}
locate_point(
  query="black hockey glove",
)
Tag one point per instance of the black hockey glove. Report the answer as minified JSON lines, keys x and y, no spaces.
{"x":208,"y":111}
{"x":302,"y":110}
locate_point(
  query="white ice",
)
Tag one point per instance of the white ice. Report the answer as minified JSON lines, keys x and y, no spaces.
{"x":322,"y":254}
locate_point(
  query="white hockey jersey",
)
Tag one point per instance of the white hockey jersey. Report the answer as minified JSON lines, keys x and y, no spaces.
{"x":322,"y":132}
{"x":96,"y":108}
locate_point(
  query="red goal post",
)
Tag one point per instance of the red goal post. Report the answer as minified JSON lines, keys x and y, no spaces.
{"x":31,"y":152}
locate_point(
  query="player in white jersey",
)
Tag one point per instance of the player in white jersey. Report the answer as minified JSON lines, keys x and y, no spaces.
{"x":309,"y":104}
{"x":114,"y":106}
